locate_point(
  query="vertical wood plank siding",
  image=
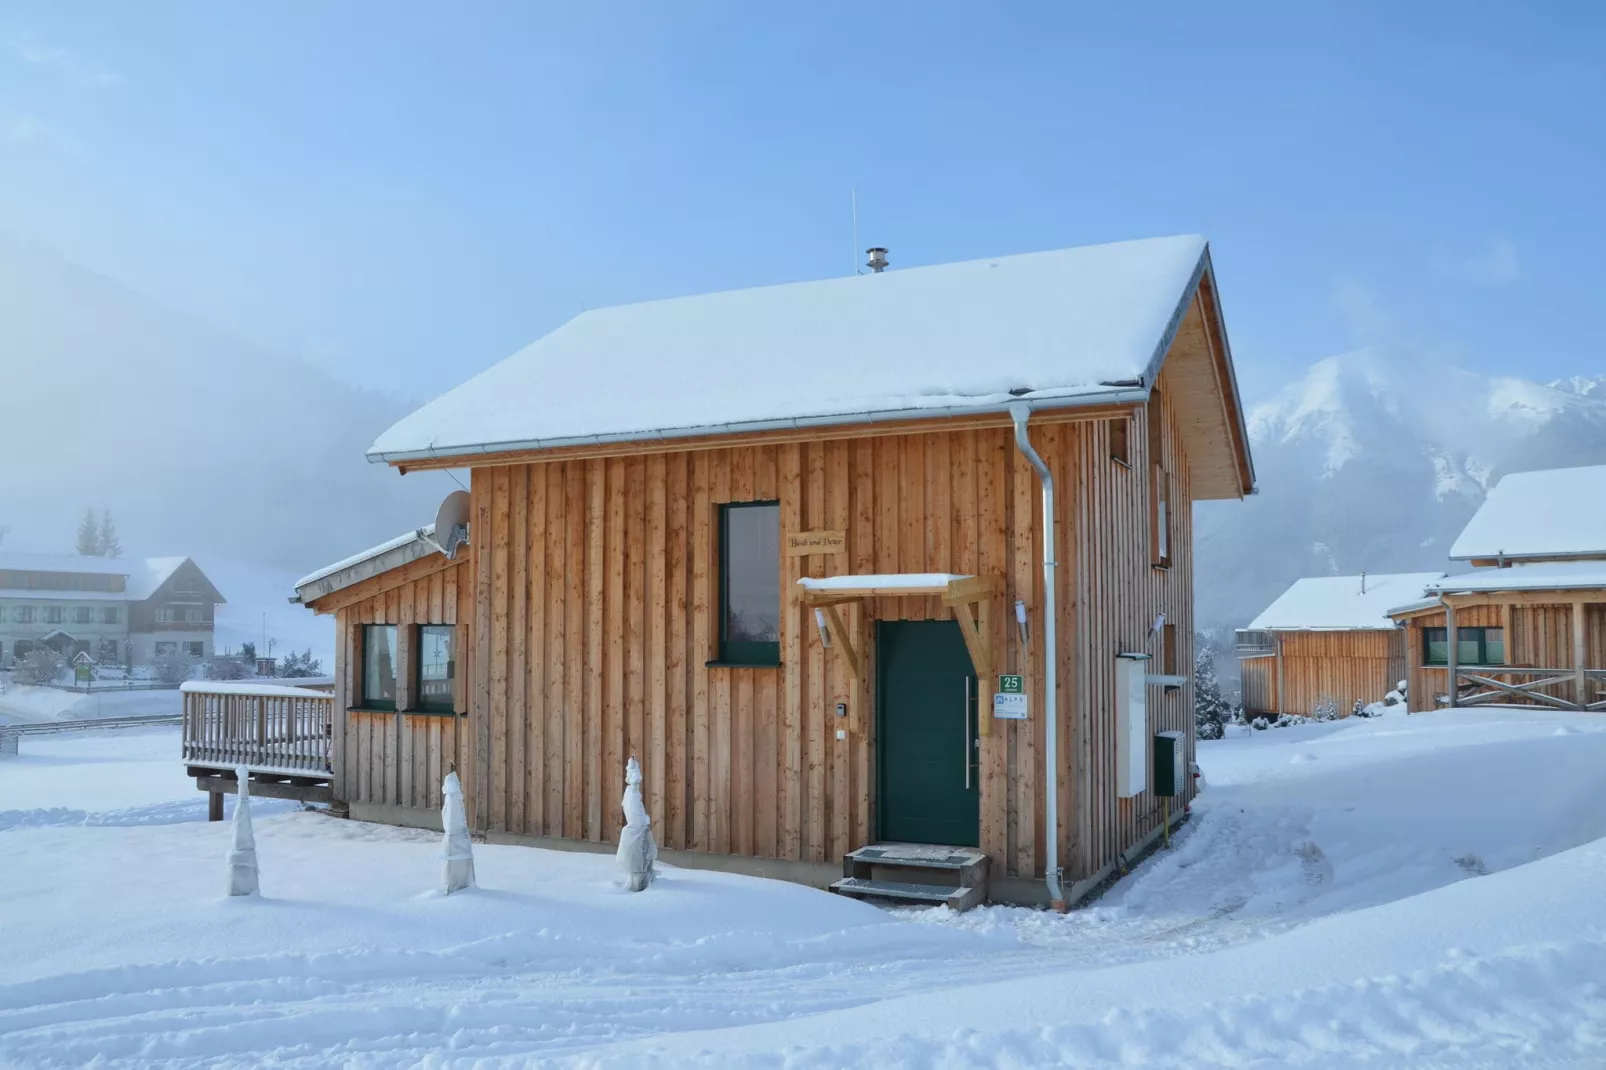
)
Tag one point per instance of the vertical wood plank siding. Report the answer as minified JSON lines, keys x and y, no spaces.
{"x":598,"y":584}
{"x":1343,"y":665}
{"x":399,"y":758}
{"x":1538,"y":636}
{"x":588,"y":604}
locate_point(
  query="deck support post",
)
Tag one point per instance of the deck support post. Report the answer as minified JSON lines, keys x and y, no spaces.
{"x":1453,"y":649}
{"x":214,"y":806}
{"x":1580,"y":656}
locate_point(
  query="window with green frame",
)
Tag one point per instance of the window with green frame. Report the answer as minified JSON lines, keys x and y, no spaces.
{"x":437,"y":669}
{"x":379,"y":666}
{"x":750,"y":583}
{"x":1474,"y":646}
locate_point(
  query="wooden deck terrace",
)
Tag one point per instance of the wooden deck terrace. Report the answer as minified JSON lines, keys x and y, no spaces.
{"x":281,"y":735}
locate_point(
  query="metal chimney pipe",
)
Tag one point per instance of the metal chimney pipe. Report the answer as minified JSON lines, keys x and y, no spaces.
{"x":878,"y":259}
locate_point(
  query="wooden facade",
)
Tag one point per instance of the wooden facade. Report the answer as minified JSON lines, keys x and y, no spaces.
{"x":1344,"y":665}
{"x":587,"y":615}
{"x":1541,"y":643}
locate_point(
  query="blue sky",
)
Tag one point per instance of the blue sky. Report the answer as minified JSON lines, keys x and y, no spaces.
{"x":404,"y":193}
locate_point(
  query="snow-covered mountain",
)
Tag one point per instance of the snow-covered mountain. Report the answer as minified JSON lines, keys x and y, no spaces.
{"x":1374,"y":462}
{"x":198,"y":442}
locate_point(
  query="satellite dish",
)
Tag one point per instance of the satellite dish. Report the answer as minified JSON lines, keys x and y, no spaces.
{"x":451,"y":523}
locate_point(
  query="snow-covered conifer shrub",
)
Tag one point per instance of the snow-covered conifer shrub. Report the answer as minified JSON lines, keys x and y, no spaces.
{"x":299,"y":665}
{"x":173,"y":667}
{"x":1260,"y":724}
{"x":41,"y":665}
{"x":1289,"y":720}
{"x":1326,"y":709}
{"x":1212,"y":711}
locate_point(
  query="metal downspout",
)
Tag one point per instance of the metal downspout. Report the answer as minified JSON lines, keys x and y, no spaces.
{"x":1021,"y":412}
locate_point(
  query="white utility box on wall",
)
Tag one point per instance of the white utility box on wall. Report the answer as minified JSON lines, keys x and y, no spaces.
{"x":1131,"y":724}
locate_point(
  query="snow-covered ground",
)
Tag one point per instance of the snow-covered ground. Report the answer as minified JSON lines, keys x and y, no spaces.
{"x":1418,"y":891}
{"x":22,"y":703}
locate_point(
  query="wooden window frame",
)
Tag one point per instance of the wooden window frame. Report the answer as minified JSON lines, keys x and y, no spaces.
{"x":419,"y":705}
{"x":742,"y":653}
{"x":1463,"y":635}
{"x":365,"y":702}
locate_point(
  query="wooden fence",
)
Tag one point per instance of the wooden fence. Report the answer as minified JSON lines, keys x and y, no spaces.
{"x":283,"y":730}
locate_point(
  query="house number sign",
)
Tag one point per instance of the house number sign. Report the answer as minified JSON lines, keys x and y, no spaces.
{"x":1009,"y":701}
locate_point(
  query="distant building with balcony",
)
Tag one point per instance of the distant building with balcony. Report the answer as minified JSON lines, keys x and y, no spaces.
{"x":120,"y":611}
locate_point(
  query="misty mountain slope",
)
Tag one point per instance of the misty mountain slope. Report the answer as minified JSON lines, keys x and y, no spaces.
{"x":1375,"y":464}
{"x":198,"y":442}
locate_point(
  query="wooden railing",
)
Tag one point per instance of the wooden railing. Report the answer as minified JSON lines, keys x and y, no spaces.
{"x":285,"y":730}
{"x":1505,"y":685}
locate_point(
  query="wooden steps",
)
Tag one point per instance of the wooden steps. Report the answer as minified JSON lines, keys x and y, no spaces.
{"x":915,"y":873}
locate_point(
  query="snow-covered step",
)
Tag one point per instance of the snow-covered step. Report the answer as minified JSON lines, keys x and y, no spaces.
{"x":918,"y":856}
{"x":956,"y":898}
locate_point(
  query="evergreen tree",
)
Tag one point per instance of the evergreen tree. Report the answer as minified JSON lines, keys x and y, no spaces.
{"x":109,"y":546}
{"x":1212,"y":711}
{"x":89,"y":535}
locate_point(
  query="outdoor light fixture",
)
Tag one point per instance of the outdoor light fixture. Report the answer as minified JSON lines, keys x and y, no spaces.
{"x":1020,"y":623}
{"x":819,"y":622}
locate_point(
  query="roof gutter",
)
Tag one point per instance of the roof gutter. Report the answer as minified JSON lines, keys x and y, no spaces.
{"x":1020,"y":412}
{"x":1122,"y":394}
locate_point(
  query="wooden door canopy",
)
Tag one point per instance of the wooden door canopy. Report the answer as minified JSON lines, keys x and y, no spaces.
{"x":970,"y":597}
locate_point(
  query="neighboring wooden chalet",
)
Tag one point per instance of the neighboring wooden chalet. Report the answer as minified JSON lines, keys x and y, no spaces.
{"x":1532,"y":628}
{"x":785,"y":546}
{"x":1327,"y":638}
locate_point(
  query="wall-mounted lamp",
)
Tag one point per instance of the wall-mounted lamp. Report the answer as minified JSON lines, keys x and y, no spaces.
{"x":1020,"y":623}
{"x":819,"y":622}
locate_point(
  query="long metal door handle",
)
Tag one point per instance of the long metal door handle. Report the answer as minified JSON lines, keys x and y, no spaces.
{"x":966,"y":745}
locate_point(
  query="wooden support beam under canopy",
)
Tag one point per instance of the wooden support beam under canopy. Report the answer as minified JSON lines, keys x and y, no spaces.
{"x":970,"y":598}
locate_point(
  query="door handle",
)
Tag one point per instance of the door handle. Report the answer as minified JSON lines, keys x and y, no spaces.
{"x":965,"y":748}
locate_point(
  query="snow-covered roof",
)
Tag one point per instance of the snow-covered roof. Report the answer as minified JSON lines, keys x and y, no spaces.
{"x":1558,"y":512}
{"x":100,"y":566}
{"x":144,"y":575}
{"x":1068,"y":327}
{"x":1550,"y":576}
{"x":150,"y":573}
{"x":1333,"y":602}
{"x":392,"y":553}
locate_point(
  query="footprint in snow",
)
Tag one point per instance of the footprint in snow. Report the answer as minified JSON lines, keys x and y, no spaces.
{"x":1301,"y":758}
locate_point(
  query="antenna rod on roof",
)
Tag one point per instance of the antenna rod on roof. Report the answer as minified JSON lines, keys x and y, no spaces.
{"x":1363,"y":583}
{"x":853,"y":191}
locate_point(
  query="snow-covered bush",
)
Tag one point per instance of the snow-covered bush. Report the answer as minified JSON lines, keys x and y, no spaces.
{"x":1260,"y":724}
{"x":1212,"y":711}
{"x":41,"y":665}
{"x":1358,"y":710}
{"x":637,"y":849}
{"x":297,"y":665}
{"x":172,"y":667}
{"x":1289,"y":720}
{"x":1326,"y":709}
{"x":228,"y":668}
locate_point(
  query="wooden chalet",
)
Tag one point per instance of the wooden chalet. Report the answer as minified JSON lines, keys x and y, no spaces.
{"x":788,"y":547}
{"x":1529,"y":627}
{"x":1326,"y":639}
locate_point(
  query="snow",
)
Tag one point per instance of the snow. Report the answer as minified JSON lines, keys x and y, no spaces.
{"x":1369,"y":893}
{"x":246,"y":687}
{"x":1058,"y":324}
{"x":23,"y":703}
{"x":366,"y":555}
{"x":1337,"y":601}
{"x":888,"y":581}
{"x":14,"y":560}
{"x":1550,"y":576}
{"x":145,"y":575}
{"x":1539,"y":514}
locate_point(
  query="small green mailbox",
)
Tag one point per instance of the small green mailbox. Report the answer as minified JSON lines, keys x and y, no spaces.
{"x":1170,"y":764}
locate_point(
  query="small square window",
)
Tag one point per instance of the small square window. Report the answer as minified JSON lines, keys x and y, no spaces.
{"x":437,"y":669}
{"x":379,"y":666}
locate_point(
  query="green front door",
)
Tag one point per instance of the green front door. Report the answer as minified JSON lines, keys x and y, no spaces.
{"x":926,"y":743}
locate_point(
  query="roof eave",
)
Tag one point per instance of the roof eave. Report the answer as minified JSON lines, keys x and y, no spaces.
{"x":412,"y":550}
{"x":1111,"y":395}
